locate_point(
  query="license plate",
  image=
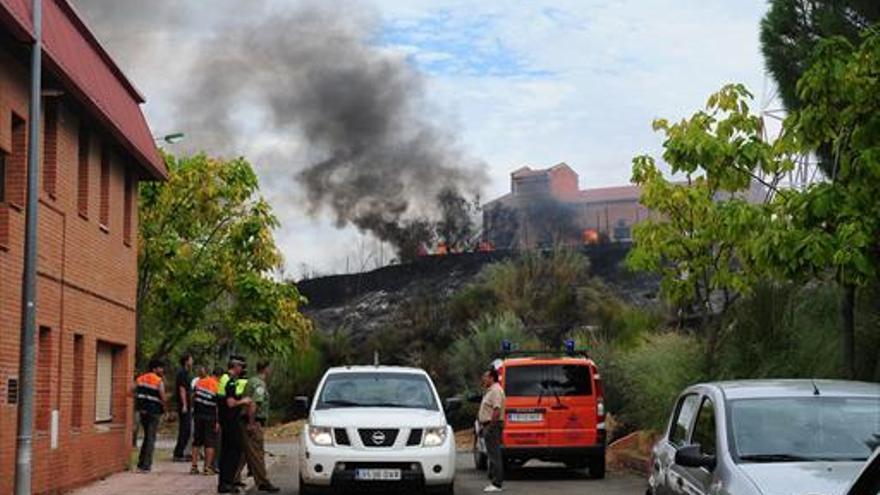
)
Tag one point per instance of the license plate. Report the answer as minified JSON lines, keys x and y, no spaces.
{"x":377,"y":475}
{"x":525,"y":417}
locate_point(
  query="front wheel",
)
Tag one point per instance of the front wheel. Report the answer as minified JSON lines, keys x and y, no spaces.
{"x":597,"y":467}
{"x":305,"y":489}
{"x":444,"y":490}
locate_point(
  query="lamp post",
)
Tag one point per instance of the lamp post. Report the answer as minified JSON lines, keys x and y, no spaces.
{"x":24,"y":444}
{"x":172,"y":138}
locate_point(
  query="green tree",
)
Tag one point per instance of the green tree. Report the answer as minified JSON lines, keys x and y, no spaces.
{"x":834,"y":226}
{"x":471,"y":354}
{"x":792,"y":28}
{"x":699,"y":240}
{"x":206,"y":256}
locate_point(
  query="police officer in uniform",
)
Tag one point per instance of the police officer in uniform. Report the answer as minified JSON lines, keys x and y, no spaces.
{"x":150,"y":398}
{"x":258,"y":413}
{"x":231,"y":406}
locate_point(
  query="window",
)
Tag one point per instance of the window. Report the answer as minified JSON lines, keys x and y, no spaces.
{"x":704,"y":428}
{"x":684,"y":417}
{"x":381,"y":389}
{"x":622,"y":231}
{"x":104,"y":213}
{"x":2,"y":177}
{"x":82,"y":185}
{"x":103,"y":383}
{"x":17,"y":163}
{"x":128,"y":208}
{"x":77,"y":385}
{"x":43,"y":384}
{"x":548,"y":381}
{"x":50,"y":146}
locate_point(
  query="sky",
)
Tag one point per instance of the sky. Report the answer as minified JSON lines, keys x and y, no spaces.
{"x":515,"y":83}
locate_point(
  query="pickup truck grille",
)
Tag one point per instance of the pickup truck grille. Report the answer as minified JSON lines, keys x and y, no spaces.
{"x":378,"y":437}
{"x":341,"y":436}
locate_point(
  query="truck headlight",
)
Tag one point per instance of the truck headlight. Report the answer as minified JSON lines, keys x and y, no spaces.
{"x":321,"y":435}
{"x":434,"y":437}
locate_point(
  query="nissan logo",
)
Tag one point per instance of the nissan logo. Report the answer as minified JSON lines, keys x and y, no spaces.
{"x":378,"y":437}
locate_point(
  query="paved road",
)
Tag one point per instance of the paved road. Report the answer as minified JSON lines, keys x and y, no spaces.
{"x":531,"y":480}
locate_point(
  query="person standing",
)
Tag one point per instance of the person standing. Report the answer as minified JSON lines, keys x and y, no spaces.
{"x":150,"y":398}
{"x":258,"y":414}
{"x":491,"y":426}
{"x":230,"y":428}
{"x":182,"y":393}
{"x":206,"y":422}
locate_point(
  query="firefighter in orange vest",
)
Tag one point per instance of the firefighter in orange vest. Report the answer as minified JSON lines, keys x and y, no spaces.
{"x":150,"y":401}
{"x":207,"y":421}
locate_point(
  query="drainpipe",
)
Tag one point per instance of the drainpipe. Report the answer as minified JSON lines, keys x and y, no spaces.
{"x":26,"y":371}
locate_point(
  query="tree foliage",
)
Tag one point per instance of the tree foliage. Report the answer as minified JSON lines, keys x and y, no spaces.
{"x":792,"y":28}
{"x":699,"y":239}
{"x":707,"y":241}
{"x":205,"y":261}
{"x":834,"y":226}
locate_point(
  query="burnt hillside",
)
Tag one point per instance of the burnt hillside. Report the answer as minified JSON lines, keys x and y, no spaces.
{"x":363,"y":303}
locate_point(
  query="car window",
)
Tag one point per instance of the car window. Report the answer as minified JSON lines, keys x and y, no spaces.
{"x":380,"y":389}
{"x":547,"y":380}
{"x":704,"y":428}
{"x":840,"y":428}
{"x":684,"y":416}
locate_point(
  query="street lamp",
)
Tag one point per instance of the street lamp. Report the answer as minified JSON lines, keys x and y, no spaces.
{"x":173,"y":138}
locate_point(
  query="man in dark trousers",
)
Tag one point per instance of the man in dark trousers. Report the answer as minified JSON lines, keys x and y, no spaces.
{"x":231,"y":407}
{"x":183,"y":396}
{"x":149,"y":390}
{"x":491,"y":416}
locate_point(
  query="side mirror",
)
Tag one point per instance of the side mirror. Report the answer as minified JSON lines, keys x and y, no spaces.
{"x":301,"y":406}
{"x":691,"y":456}
{"x":452,"y":404}
{"x":475,"y":398}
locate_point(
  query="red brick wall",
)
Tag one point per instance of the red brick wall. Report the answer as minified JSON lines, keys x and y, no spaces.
{"x":86,"y":286}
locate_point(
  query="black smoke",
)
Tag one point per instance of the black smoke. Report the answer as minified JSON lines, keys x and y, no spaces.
{"x":315,"y":72}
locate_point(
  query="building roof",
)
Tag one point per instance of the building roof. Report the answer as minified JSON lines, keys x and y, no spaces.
{"x":528,"y":171}
{"x":605,"y":194}
{"x":75,"y":56}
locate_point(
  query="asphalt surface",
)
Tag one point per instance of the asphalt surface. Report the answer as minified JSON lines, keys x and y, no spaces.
{"x":533,"y":479}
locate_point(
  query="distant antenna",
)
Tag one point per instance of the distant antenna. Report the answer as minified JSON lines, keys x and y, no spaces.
{"x":375,"y":358}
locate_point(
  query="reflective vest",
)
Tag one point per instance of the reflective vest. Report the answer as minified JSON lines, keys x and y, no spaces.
{"x":147,"y":396}
{"x":221,"y":385}
{"x":240,"y":384}
{"x":205,"y":397}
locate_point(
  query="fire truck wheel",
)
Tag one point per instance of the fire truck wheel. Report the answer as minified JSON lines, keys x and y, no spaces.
{"x":597,"y":467}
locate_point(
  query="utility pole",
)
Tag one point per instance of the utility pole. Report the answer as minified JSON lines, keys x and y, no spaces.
{"x":26,"y":370}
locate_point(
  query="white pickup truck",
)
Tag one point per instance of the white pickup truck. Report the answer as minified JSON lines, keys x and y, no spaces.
{"x":376,"y":426}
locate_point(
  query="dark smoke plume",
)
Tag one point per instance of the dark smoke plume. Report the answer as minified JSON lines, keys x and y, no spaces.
{"x":313,"y":72}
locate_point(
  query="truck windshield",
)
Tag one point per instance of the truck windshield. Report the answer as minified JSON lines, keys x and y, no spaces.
{"x":805,"y":429}
{"x":399,"y":390}
{"x":547,"y":381}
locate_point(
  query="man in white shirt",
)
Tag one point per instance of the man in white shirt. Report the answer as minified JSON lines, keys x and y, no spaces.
{"x":490,"y":417}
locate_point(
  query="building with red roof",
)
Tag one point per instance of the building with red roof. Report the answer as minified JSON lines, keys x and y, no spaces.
{"x":95,"y":147}
{"x":546,"y":207}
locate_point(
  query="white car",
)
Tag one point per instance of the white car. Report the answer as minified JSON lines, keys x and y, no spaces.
{"x":376,"y":427}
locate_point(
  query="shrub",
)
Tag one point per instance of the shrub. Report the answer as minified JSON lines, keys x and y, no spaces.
{"x":472,"y":353}
{"x":651,"y":376}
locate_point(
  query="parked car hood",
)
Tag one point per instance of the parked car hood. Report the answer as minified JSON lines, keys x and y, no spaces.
{"x":802,"y":478}
{"x":377,"y":417}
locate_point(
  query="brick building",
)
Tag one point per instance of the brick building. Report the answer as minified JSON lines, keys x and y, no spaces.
{"x":547,"y":206}
{"x":95,"y":147}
